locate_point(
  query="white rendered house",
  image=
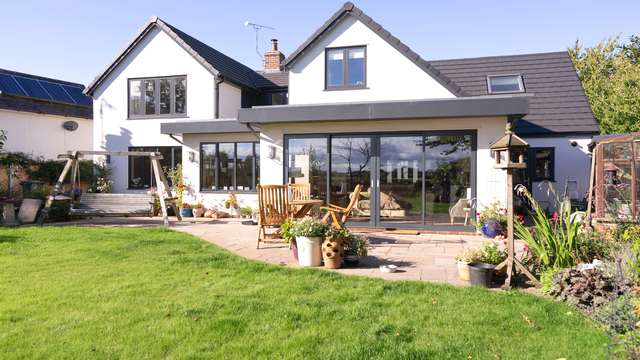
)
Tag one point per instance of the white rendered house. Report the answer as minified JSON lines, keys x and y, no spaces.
{"x":352,"y":105}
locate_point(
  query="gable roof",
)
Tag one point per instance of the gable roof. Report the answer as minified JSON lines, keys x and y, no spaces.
{"x":214,"y":61}
{"x":349,"y":9}
{"x":38,"y":94}
{"x":558,"y":104}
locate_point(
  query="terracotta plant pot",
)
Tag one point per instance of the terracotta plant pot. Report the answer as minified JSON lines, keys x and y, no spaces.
{"x":463,"y":270}
{"x":198,"y":212}
{"x":332,"y":254}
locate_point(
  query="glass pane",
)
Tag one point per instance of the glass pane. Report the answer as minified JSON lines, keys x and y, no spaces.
{"x":543,"y":164}
{"x":505,"y":84}
{"x":165,"y":96}
{"x":225,"y":156}
{"x":308,"y":162}
{"x":351,"y":165}
{"x":448,"y":180}
{"x":335,"y":67}
{"x":401,"y":160}
{"x":244,"y":172}
{"x":356,"y":67}
{"x":618,"y":181}
{"x":257,"y":148}
{"x":208,"y":167}
{"x":181,"y":95}
{"x":135,"y":97}
{"x":149,"y":97}
{"x":140,"y":169}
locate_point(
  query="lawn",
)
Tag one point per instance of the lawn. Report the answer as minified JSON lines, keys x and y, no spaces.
{"x":154,"y":293}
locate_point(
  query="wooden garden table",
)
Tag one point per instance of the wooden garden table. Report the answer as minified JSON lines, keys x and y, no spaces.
{"x":303,"y":206}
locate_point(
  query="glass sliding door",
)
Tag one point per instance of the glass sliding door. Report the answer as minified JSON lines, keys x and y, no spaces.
{"x":308,"y":163}
{"x":400,"y":178}
{"x":447,"y":179}
{"x":351,"y":159}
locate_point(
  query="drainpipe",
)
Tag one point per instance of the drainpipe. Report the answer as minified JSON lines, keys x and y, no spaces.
{"x":253,"y":131}
{"x":218,"y":80}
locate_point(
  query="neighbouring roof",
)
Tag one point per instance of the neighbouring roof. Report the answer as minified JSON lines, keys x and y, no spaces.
{"x":213,"y":60}
{"x":38,"y":94}
{"x":558,"y":104}
{"x":275,"y":79}
{"x":348,"y":9}
{"x":499,"y":105}
{"x":203,"y":126}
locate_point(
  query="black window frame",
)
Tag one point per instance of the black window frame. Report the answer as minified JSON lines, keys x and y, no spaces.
{"x":130,"y":185}
{"x":532,"y":163}
{"x":517,"y":76}
{"x":345,"y":68}
{"x":172,"y":114}
{"x":255,"y":174}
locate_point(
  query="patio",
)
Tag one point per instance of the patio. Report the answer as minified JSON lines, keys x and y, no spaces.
{"x":427,"y":257}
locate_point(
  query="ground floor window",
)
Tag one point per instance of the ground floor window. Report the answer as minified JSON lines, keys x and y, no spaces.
{"x":419,"y":179}
{"x":229,"y":166}
{"x":140,"y":171}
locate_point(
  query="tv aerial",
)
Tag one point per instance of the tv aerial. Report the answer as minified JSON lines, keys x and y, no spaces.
{"x":257,"y":28}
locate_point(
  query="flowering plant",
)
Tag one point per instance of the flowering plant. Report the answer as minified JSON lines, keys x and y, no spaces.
{"x":308,"y":227}
{"x":492,"y":214}
{"x":231,"y":202}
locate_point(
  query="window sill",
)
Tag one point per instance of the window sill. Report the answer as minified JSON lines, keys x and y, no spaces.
{"x":207,"y":191}
{"x":345,"y":88}
{"x":157,"y":117}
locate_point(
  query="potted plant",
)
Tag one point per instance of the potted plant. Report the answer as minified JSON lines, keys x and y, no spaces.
{"x":333,"y":247}
{"x":492,"y":221}
{"x":198,"y":210}
{"x":232,"y":204}
{"x":186,"y":210}
{"x":308,"y":233}
{"x":481,"y":271}
{"x":246,"y":212}
{"x":463,"y":260}
{"x":286,"y":235}
{"x":355,"y":247}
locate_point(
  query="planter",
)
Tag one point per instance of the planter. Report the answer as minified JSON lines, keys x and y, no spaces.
{"x":491,"y":228}
{"x":463,"y":270}
{"x":184,"y":212}
{"x":332,"y":254}
{"x":199,"y":212}
{"x":309,"y":251}
{"x":481,"y":274}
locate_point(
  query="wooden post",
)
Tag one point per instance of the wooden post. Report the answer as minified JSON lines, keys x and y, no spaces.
{"x":510,"y":237}
{"x":160,"y":189}
{"x":71,"y":161}
{"x":592,"y":179}
{"x":172,"y":202}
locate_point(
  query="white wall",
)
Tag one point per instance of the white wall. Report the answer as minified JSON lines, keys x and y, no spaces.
{"x":42,"y":135}
{"x":156,"y":55}
{"x":491,"y":183}
{"x":191,"y":171}
{"x":571,"y":163}
{"x":389,"y":74}
{"x":230,"y":101}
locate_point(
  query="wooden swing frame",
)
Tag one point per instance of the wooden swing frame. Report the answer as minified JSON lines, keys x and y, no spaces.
{"x":162,"y":187}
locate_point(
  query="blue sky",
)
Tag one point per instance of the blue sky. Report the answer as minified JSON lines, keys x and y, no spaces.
{"x":74,"y":40}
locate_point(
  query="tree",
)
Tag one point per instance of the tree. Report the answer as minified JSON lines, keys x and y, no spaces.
{"x":610,"y":76}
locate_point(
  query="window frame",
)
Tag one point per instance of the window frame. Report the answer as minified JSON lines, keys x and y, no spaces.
{"x":254,"y":175}
{"x":156,"y":93}
{"x":517,"y":76}
{"x":152,"y":179}
{"x":532,"y":164}
{"x":345,"y":68}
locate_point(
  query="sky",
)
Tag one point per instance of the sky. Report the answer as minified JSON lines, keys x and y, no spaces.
{"x":75,"y":40}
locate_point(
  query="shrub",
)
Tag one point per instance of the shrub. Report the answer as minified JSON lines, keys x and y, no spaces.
{"x":308,"y":227}
{"x":490,"y":253}
{"x":285,"y":231}
{"x":355,"y":245}
{"x":246,"y":211}
{"x":588,"y":289}
{"x":470,"y":256}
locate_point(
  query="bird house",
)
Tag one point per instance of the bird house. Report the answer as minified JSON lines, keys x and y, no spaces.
{"x":509,"y":151}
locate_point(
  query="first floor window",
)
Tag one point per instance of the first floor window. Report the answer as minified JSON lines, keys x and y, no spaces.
{"x":229,"y":166}
{"x":140,"y":167}
{"x":345,"y":68}
{"x":165,"y":96}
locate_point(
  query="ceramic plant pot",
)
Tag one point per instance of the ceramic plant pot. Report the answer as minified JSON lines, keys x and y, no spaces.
{"x":198,"y":212}
{"x":332,"y":254}
{"x":463,"y":270}
{"x":184,"y":212}
{"x":309,"y":252}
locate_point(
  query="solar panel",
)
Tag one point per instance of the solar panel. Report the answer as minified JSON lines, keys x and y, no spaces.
{"x":9,"y":85}
{"x":57,"y":92}
{"x":77,"y":95}
{"x":32,"y":87}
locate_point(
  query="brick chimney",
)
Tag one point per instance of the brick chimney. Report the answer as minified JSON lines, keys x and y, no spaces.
{"x":273,"y":58}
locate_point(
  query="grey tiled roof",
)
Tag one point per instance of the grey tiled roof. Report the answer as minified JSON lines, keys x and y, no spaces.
{"x":348,"y":9}
{"x":274,"y":79}
{"x":558,"y":104}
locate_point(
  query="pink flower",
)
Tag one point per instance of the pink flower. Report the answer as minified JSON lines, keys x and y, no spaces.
{"x":526,"y":249}
{"x":555,"y":216}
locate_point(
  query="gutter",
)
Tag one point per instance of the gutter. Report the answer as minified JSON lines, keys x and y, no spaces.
{"x":176,"y":139}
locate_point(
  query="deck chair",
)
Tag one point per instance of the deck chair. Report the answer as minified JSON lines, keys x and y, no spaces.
{"x":462,"y":209}
{"x":339,"y":215}
{"x":273,"y":208}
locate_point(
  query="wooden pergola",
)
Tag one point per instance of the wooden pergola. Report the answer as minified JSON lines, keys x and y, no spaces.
{"x":163,"y":190}
{"x":614,"y":187}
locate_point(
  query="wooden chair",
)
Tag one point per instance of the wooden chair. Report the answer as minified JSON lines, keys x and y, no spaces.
{"x":340,"y":215}
{"x":273,"y":208}
{"x":298,"y":192}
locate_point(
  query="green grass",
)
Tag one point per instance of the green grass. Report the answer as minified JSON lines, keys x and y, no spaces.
{"x":92,"y":293}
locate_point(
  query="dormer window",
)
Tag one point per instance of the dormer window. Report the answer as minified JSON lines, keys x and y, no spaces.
{"x":345,"y":68}
{"x":502,"y":84}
